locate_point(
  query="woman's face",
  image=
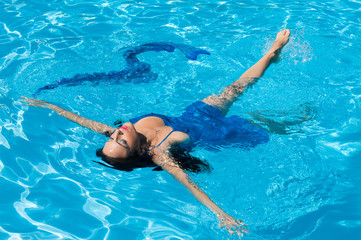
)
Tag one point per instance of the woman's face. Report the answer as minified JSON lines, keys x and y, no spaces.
{"x":123,"y":143}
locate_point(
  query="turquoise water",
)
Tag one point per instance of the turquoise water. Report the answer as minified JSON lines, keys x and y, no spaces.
{"x":302,"y":185}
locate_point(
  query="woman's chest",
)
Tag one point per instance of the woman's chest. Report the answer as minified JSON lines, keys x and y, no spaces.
{"x":162,"y":133}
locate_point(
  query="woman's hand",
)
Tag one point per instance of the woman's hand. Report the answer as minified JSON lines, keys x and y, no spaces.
{"x":232,"y":225}
{"x":36,"y":103}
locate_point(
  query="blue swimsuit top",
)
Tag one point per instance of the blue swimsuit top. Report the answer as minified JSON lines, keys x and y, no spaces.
{"x":208,"y":128}
{"x":161,"y":141}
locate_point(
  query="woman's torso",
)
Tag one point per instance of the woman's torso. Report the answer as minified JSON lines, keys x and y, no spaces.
{"x":162,"y":134}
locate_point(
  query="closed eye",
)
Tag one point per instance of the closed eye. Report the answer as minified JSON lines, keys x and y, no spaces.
{"x":121,"y":142}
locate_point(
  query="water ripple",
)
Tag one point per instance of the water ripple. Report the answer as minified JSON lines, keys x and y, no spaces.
{"x":285,"y":189}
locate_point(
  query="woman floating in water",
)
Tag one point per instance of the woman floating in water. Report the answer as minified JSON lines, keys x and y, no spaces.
{"x":153,"y":136}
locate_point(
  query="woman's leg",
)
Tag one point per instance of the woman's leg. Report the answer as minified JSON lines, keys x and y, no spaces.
{"x":284,"y":122}
{"x":224,"y":100}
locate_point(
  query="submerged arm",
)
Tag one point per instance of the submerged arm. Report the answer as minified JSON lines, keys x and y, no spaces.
{"x":82,"y":121}
{"x":162,"y":158}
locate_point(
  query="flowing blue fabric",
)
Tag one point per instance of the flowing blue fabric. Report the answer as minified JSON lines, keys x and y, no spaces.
{"x":135,"y":70}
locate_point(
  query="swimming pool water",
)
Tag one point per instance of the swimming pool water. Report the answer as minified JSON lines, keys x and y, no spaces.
{"x":301,"y":185}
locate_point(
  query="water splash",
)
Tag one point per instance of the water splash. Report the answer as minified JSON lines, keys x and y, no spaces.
{"x":297,"y":49}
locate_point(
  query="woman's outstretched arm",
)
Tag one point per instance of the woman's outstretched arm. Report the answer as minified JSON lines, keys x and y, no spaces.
{"x":162,"y":158}
{"x":92,"y":125}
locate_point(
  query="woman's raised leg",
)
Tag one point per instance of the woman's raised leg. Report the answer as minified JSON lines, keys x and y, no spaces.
{"x":224,"y":100}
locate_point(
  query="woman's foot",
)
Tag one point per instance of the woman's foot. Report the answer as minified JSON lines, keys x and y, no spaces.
{"x":281,"y":40}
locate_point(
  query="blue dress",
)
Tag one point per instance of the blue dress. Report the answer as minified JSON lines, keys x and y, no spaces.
{"x":208,"y":128}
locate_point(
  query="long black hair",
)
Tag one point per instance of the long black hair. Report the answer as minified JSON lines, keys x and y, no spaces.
{"x":181,"y":156}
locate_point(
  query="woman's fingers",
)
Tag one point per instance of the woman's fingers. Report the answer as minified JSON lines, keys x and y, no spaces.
{"x":240,"y":222}
{"x":33,"y":102}
{"x":234,"y":226}
{"x":221,"y":224}
{"x":242,"y":226}
{"x":230,"y":231}
{"x":29,"y":100}
{"x":25,"y":99}
{"x":239,"y":233}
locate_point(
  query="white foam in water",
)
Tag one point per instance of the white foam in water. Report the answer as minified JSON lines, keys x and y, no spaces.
{"x":4,"y":89}
{"x":298,"y":49}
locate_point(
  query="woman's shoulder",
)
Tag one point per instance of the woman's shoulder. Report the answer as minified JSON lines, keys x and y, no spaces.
{"x":178,"y":137}
{"x":169,"y":138}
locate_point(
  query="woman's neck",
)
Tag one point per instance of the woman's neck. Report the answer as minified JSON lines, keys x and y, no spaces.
{"x":147,"y":136}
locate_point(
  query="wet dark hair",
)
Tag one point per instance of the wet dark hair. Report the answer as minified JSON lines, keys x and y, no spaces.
{"x":183,"y":158}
